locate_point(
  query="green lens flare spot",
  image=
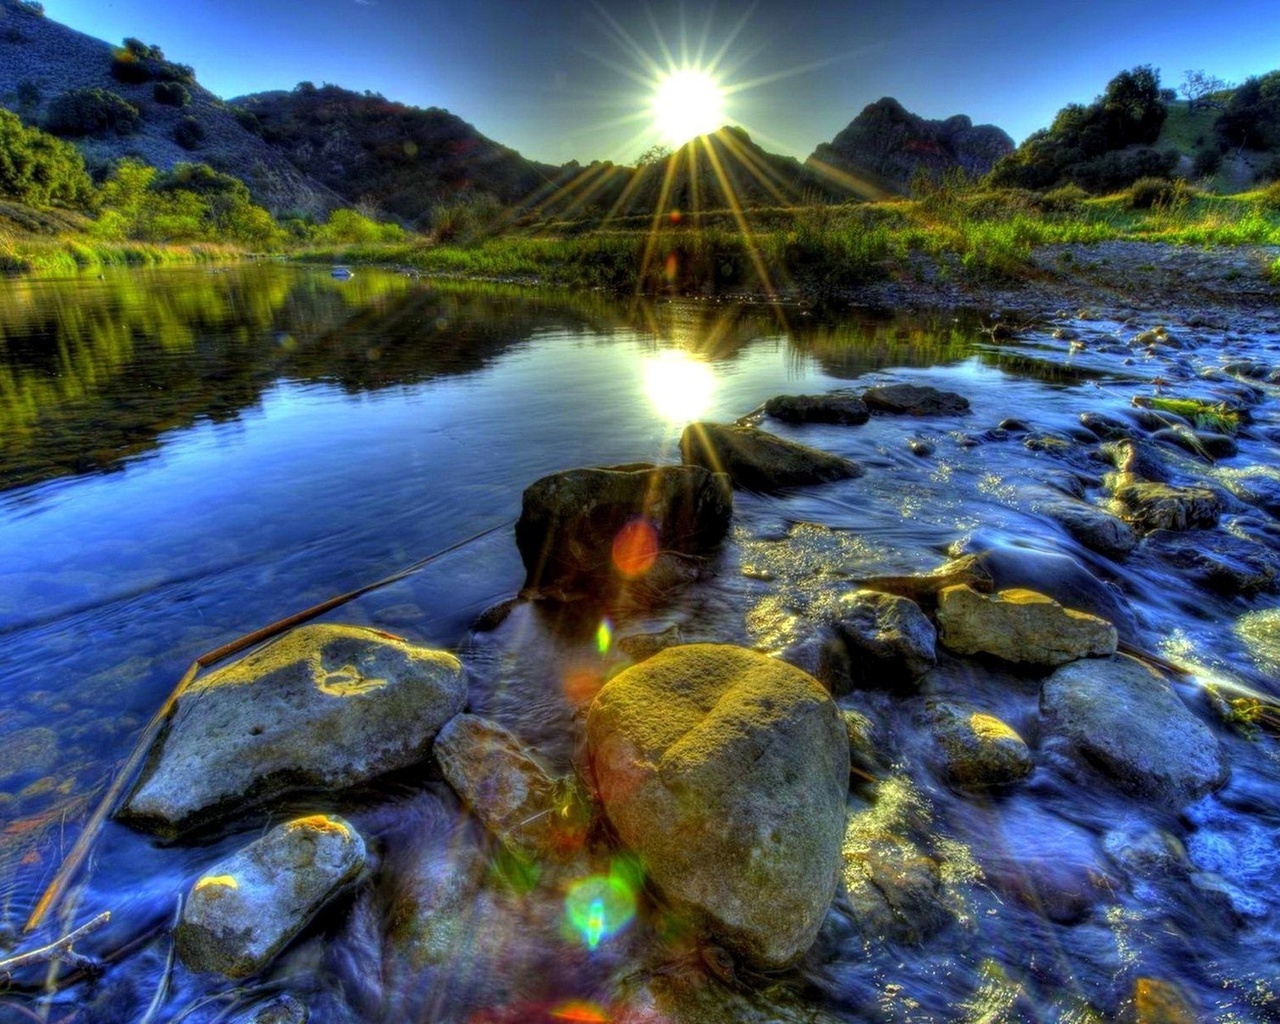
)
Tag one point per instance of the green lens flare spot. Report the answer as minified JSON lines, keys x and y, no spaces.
{"x":599,"y":906}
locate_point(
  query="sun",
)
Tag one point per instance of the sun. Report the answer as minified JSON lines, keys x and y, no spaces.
{"x":686,"y":103}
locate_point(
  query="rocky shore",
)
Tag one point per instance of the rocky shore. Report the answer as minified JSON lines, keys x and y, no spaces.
{"x":735,"y":818}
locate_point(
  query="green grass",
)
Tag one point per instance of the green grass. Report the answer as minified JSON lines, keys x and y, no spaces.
{"x":70,"y":254}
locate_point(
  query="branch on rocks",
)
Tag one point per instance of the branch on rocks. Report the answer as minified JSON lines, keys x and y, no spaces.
{"x":60,"y":950}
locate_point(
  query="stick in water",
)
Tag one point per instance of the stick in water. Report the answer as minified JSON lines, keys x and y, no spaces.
{"x":82,"y":845}
{"x":59,"y":950}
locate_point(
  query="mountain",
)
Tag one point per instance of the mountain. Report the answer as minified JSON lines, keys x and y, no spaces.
{"x":886,"y":146}
{"x":398,"y":159}
{"x":42,"y":60}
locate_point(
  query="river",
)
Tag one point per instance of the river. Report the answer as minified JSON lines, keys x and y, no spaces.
{"x":189,"y":455}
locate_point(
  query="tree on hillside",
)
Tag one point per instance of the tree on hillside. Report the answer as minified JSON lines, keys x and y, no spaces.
{"x":79,"y":112}
{"x":1093,"y":146}
{"x":1199,"y":88}
{"x":37,"y":169}
{"x":1251,"y":119}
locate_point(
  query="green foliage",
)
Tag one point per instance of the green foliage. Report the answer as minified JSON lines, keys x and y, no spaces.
{"x":347,"y":227}
{"x":189,"y":133}
{"x":1067,"y":198}
{"x":129,"y":69}
{"x":1158,"y":194}
{"x":1270,"y":198}
{"x":136,"y":63}
{"x":1084,"y":143}
{"x":1251,"y":119}
{"x":249,"y":121}
{"x":1205,"y":415}
{"x":466,"y":221}
{"x":172,"y":94}
{"x":79,"y":112}
{"x":38,"y":169}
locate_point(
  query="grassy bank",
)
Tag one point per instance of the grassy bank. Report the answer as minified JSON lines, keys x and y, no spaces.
{"x":979,"y":235}
{"x":70,"y":254}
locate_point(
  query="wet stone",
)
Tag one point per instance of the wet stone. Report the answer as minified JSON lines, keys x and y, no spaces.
{"x":1107,"y":428}
{"x":1091,"y":526}
{"x":978,"y":750}
{"x":1156,"y":506}
{"x":759,"y":460}
{"x":837,"y":407}
{"x":27,"y":752}
{"x":247,"y":907}
{"x":1020,"y":626}
{"x":1218,"y":561}
{"x":915,"y":400}
{"x":1138,"y":460}
{"x":887,"y":641}
{"x":1202,"y":443}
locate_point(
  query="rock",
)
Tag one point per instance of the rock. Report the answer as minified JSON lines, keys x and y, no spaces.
{"x":26,"y":753}
{"x":759,"y":460}
{"x":508,"y":790}
{"x":920,"y":448}
{"x":1155,"y":506}
{"x":1218,"y":561}
{"x":1012,"y":566}
{"x":1204,"y":443}
{"x":727,"y":773}
{"x":639,"y":646}
{"x":1108,"y":428}
{"x":1162,"y":1002}
{"x":979,"y":750}
{"x":915,"y":400}
{"x":321,"y":708}
{"x":1255,"y":485}
{"x":888,"y":642}
{"x":1091,"y":526}
{"x":1135,"y":459}
{"x":592,"y":529}
{"x":923,"y":588}
{"x":1020,"y":626}
{"x":894,"y":888}
{"x":832,"y":408}
{"x":1121,"y":717}
{"x":248,"y":906}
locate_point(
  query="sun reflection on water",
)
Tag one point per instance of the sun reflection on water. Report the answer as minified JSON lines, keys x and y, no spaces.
{"x":679,"y":387}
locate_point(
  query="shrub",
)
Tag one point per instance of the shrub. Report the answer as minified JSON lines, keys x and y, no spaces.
{"x":172,"y":94}
{"x":32,"y":7}
{"x":1206,"y":163}
{"x":189,"y":133}
{"x":1270,"y":200}
{"x":1065,"y":199}
{"x":1158,"y":194}
{"x":37,"y":169}
{"x":249,"y":121}
{"x":129,"y":69}
{"x":80,"y":112}
{"x":29,"y":95}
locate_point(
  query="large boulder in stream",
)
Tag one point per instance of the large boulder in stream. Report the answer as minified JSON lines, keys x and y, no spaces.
{"x":727,"y":772}
{"x":245,"y":908}
{"x":915,"y":400}
{"x":322,"y":708}
{"x":1020,"y":626}
{"x":837,"y":407}
{"x":760,"y":460}
{"x":587,"y":530}
{"x":1122,"y":717}
{"x":1155,"y":506}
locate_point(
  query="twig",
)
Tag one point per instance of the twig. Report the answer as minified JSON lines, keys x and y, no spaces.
{"x":59,"y":950}
{"x":94,"y":825}
{"x":162,"y":989}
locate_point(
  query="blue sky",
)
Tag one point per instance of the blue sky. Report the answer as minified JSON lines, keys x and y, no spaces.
{"x":555,"y":78}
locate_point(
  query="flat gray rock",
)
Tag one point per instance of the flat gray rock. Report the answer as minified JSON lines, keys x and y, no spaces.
{"x":247,"y":907}
{"x":833,"y":408}
{"x":915,"y":400}
{"x":321,"y":708}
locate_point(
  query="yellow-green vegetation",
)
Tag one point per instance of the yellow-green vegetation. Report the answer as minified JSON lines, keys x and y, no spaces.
{"x":1205,"y":415}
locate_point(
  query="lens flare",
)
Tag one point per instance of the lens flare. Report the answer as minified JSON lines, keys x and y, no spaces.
{"x":579,"y":1010}
{"x":600,"y":906}
{"x":678,"y":386}
{"x":604,"y":636}
{"x":635,"y":548}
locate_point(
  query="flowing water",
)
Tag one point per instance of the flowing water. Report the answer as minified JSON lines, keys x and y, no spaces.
{"x":186,"y":456}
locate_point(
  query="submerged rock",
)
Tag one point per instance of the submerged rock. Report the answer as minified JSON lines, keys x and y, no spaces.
{"x":245,"y":908}
{"x":1091,"y":526}
{"x":507,"y":789}
{"x":1218,"y":561}
{"x":1107,"y":428}
{"x":1204,"y":443}
{"x":885,"y":641}
{"x":727,"y":772}
{"x":1156,"y":506}
{"x":321,"y":708}
{"x":590,"y":529}
{"x":759,"y":460}
{"x":1123,"y":718}
{"x":978,"y":749}
{"x":1020,"y":626}
{"x":1135,"y":460}
{"x":915,"y":400}
{"x":832,"y":408}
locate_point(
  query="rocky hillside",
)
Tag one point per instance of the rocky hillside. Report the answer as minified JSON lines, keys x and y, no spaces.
{"x":398,"y":159}
{"x":41,"y":60}
{"x":886,"y":145}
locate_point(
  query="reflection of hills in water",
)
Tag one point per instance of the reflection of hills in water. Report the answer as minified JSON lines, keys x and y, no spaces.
{"x":93,"y":372}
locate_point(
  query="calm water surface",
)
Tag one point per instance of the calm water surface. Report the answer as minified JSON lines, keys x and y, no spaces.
{"x":187,"y":456}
